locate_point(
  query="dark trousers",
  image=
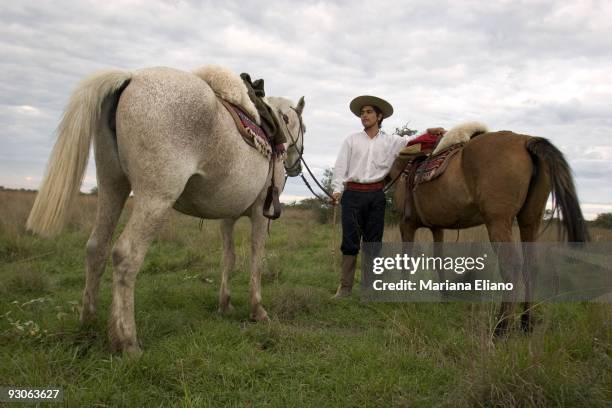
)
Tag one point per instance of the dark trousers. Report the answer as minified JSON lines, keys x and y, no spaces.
{"x":363,"y":216}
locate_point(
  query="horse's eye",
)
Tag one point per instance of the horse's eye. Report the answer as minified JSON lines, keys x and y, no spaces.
{"x":286,"y":118}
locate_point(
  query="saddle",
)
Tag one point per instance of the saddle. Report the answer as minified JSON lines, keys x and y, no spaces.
{"x":435,"y":165}
{"x":244,"y":100}
{"x":253,"y":134}
{"x":424,"y":168}
{"x":269,"y":121}
{"x":254,"y":119}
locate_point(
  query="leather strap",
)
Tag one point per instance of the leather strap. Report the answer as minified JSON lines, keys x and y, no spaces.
{"x":272,"y":197}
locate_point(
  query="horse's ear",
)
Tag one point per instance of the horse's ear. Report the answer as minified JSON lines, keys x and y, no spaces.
{"x":300,"y":106}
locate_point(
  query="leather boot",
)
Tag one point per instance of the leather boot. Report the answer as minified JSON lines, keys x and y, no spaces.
{"x":347,"y":276}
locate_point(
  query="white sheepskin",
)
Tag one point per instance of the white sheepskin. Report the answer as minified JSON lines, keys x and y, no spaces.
{"x":228,"y":86}
{"x":459,"y":134}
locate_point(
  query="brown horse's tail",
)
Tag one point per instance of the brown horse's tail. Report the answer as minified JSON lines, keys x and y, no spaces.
{"x":565,"y":200}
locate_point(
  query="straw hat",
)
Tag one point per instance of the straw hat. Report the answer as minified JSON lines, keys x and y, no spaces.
{"x":368,"y":100}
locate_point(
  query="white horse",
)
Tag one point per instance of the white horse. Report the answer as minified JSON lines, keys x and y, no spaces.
{"x":163,"y":134}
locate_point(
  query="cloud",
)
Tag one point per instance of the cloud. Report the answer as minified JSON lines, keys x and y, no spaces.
{"x":538,"y":68}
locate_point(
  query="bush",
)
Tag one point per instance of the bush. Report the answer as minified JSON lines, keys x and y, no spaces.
{"x":603,"y":220}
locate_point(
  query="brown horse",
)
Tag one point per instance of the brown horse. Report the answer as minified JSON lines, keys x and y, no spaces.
{"x":496,"y":178}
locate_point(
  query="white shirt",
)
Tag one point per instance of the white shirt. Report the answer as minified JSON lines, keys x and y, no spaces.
{"x":366,"y":160}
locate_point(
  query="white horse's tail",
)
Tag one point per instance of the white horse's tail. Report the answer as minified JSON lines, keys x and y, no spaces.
{"x":66,"y":167}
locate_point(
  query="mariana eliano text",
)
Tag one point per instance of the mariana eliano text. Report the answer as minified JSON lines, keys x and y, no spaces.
{"x":409,"y":285}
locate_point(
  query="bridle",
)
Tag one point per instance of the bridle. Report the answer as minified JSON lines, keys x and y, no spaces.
{"x":300,"y":159}
{"x":295,"y":142}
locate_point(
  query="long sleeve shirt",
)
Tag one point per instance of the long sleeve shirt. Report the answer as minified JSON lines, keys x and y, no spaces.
{"x":366,"y":160}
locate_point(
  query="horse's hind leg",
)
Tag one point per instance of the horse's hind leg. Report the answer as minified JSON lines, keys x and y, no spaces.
{"x":529,"y":220}
{"x":528,"y":235}
{"x":111,"y":198}
{"x":229,"y":260}
{"x":500,"y":235}
{"x":113,"y":190}
{"x":147,"y":217}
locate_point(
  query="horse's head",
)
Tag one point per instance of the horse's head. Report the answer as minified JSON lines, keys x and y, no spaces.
{"x":290,"y":120}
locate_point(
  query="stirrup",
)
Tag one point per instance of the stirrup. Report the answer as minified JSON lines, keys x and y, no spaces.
{"x":272,"y":199}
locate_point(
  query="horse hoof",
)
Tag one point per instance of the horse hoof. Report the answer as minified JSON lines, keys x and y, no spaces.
{"x":260,"y":316}
{"x":526,"y":324}
{"x":226,"y":308}
{"x":500,"y":331}
{"x":88,"y":319}
{"x":132,"y":352}
{"x":129,"y":348}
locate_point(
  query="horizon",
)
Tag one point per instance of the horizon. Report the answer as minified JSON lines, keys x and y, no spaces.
{"x":589,"y":215}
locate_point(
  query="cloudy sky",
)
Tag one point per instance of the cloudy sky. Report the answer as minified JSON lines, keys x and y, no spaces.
{"x":536,"y":67}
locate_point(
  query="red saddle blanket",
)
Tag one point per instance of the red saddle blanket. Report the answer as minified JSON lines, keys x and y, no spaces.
{"x":434,"y":166}
{"x":426,"y":140}
{"x":252,"y":133}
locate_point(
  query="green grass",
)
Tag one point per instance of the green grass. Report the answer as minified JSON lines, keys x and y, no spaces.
{"x":314,"y":352}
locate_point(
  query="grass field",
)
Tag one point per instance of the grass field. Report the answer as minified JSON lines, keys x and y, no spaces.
{"x":314,"y":352}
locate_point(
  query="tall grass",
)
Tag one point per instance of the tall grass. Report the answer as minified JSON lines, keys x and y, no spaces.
{"x":315,"y":351}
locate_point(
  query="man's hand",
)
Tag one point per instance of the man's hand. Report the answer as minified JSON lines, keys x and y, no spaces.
{"x":439,"y":131}
{"x":336,"y":197}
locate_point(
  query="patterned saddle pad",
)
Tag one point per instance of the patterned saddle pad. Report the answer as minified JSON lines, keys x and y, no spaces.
{"x":253,"y":134}
{"x":435,"y":165}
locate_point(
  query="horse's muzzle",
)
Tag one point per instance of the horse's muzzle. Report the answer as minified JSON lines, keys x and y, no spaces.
{"x":294,"y":171}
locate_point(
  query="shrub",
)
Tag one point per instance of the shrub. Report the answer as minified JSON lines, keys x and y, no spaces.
{"x":603,"y":220}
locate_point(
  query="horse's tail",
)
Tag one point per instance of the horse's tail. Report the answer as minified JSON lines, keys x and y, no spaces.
{"x":66,"y":168}
{"x":565,"y":200}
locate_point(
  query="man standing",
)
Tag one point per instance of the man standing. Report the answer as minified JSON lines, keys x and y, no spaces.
{"x":364,"y":160}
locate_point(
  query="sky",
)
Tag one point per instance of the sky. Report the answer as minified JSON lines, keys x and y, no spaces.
{"x":542,"y":68}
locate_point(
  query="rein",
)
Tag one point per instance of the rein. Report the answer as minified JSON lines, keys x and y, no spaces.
{"x":388,"y":186}
{"x":312,"y":191}
{"x":300,"y":159}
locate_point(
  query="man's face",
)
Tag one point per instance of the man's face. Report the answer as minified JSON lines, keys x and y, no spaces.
{"x":369,"y":117}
